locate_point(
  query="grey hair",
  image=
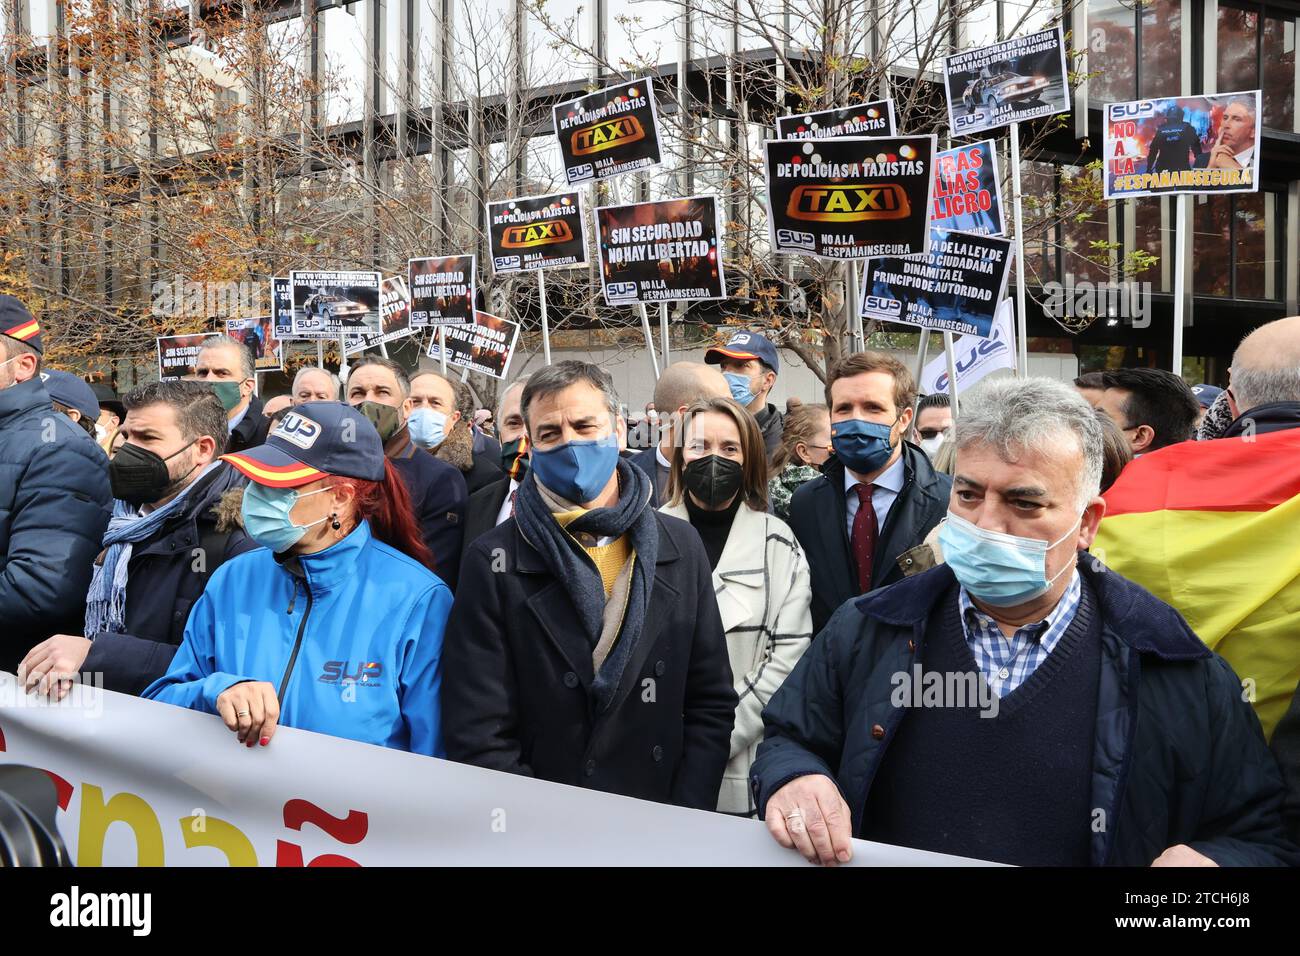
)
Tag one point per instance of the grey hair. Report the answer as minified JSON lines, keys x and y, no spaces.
{"x":1013,"y":415}
{"x":553,"y":378}
{"x":247,"y":369}
{"x":501,"y":401}
{"x":1263,"y":386}
{"x":306,"y":369}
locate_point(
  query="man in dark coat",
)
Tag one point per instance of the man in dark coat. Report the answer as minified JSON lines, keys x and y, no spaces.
{"x":228,"y":368}
{"x":492,"y":504}
{"x":585,"y":645}
{"x":851,"y":549}
{"x":380,"y":389}
{"x":1020,"y":703}
{"x":131,"y":637}
{"x":54,"y":498}
{"x":438,"y":401}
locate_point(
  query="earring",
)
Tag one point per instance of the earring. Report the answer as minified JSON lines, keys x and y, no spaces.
{"x":334,"y":522}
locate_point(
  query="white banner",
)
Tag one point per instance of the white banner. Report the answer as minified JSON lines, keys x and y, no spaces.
{"x":145,"y":783}
{"x":975,"y":357}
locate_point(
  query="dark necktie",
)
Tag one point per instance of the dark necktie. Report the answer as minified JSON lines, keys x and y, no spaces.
{"x":864,"y":536}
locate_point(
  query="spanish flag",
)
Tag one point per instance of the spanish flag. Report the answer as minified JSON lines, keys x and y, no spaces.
{"x":1213,"y":528}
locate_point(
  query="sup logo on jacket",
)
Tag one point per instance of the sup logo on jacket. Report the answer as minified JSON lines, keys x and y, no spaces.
{"x":367,"y":673}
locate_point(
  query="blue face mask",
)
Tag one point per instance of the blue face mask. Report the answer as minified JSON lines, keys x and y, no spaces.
{"x":428,"y":428}
{"x":741,"y":386}
{"x":265,"y":511}
{"x":863,"y":446}
{"x":576,"y":470}
{"x":1003,"y":570}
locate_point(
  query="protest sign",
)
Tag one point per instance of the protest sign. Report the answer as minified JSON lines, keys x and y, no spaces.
{"x":394,"y":315}
{"x":661,"y":251}
{"x":442,"y":290}
{"x":282,"y":309}
{"x":1189,"y":144}
{"x":188,"y":798}
{"x":334,"y":303}
{"x":537,"y":232}
{"x":974,"y":357}
{"x":258,"y":336}
{"x":967,"y":197}
{"x":1009,"y":82}
{"x":850,"y":198}
{"x":956,"y":288}
{"x":609,"y":132}
{"x":865,"y":119}
{"x":177,"y":354}
{"x":486,"y":345}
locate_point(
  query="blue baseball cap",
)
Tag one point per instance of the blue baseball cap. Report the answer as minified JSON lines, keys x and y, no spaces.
{"x":311,"y":441}
{"x":1206,"y":394}
{"x":72,"y":391}
{"x":18,"y":323}
{"x":745,"y":345}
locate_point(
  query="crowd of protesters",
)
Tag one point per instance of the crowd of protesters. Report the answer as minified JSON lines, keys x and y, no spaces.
{"x":869,"y":618}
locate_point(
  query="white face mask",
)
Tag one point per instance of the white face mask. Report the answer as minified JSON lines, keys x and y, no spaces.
{"x":13,"y":381}
{"x":931,"y":445}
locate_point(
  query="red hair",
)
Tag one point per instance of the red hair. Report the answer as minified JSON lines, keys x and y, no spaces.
{"x":387,"y":506}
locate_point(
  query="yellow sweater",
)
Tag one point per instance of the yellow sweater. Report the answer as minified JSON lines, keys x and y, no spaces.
{"x":609,"y":558}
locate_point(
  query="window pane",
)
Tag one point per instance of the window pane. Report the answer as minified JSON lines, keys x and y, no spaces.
{"x":1151,"y":238}
{"x":1279,"y":73}
{"x":1038,"y":184}
{"x":1162,"y":48}
{"x":1257,"y":262}
{"x":1238,"y":68}
{"x":1080,"y":257}
{"x":1211,"y":266}
{"x":1112,"y":52}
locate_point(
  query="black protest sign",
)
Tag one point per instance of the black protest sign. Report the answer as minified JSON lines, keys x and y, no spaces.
{"x":956,"y":288}
{"x":609,"y":132}
{"x":536,"y":232}
{"x":850,"y":198}
{"x":865,"y":119}
{"x":486,"y":345}
{"x":442,"y":290}
{"x":661,"y":251}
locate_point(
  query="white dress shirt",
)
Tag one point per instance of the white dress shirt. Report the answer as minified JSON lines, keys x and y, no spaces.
{"x":887,"y":486}
{"x":505,"y":511}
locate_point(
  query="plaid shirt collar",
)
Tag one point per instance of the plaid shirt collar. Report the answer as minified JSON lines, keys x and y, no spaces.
{"x":1006,"y":663}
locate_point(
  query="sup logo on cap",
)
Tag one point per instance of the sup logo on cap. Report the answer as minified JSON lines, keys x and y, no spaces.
{"x":297,"y":430}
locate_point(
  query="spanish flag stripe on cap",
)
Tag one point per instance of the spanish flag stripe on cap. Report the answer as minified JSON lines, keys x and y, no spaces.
{"x":731,"y":354}
{"x":24,"y":331}
{"x":277,"y":476}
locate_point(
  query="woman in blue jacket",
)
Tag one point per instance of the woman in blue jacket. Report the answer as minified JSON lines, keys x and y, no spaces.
{"x":335,"y":624}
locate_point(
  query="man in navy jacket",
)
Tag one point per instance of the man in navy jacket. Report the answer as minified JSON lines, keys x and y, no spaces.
{"x":54,"y":498}
{"x":1020,"y":703}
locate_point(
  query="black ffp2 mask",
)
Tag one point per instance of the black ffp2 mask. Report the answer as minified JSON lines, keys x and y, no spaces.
{"x":139,"y":476}
{"x":714,"y":480}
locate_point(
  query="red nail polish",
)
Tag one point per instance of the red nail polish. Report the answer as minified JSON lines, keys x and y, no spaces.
{"x":265,"y":741}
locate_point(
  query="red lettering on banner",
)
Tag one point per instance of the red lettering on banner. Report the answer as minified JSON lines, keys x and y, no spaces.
{"x":349,"y":829}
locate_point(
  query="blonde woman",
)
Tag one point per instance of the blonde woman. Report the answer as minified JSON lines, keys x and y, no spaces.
{"x":760,"y":575}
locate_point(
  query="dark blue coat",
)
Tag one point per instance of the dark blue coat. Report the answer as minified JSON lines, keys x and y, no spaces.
{"x":647,"y":460}
{"x":819,"y":519}
{"x":438,"y":495}
{"x":1178,"y":757}
{"x":165,"y":578}
{"x":54,"y":507}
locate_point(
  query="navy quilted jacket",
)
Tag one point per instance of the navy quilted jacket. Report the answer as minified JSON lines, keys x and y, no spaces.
{"x":1179,"y":757}
{"x":54,"y":507}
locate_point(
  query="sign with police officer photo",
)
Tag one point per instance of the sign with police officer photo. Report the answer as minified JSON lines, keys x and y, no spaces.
{"x":1186,"y":144}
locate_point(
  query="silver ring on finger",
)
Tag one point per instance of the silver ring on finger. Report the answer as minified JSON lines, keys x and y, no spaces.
{"x":794,"y":820}
{"x":242,"y":713}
